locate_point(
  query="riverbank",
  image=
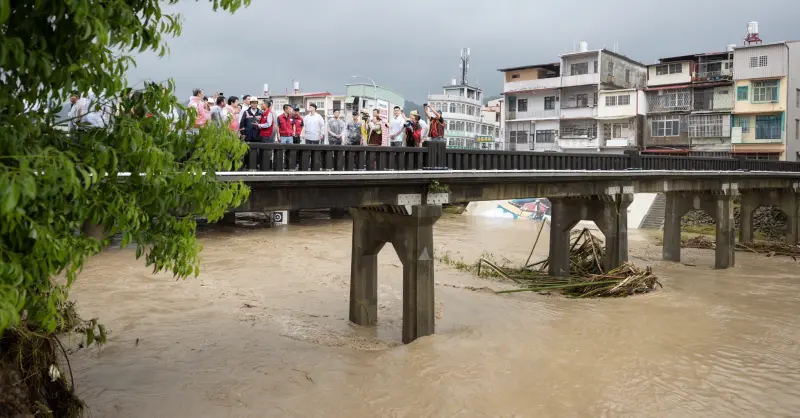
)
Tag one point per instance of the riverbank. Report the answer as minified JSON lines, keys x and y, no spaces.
{"x":263,"y":332}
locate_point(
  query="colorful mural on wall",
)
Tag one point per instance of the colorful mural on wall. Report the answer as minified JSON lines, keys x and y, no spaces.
{"x":530,"y":208}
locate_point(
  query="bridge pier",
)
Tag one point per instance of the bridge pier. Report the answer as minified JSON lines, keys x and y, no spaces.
{"x":786,"y":200}
{"x":719,"y":206}
{"x":411,"y":235}
{"x":228,"y":219}
{"x":609,"y":213}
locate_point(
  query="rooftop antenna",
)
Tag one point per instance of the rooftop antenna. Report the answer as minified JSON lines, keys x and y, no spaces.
{"x":752,"y":34}
{"x":464,"y":65}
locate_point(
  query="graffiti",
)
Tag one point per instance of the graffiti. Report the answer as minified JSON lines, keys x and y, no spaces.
{"x":530,"y":208}
{"x":533,"y":208}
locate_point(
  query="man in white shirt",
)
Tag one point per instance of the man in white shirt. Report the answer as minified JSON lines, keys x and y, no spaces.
{"x":397,"y":131}
{"x":314,"y":125}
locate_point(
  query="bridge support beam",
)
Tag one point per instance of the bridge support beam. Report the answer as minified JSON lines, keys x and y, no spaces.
{"x":609,"y":213}
{"x":718,"y":206}
{"x":411,"y":235}
{"x":786,"y":200}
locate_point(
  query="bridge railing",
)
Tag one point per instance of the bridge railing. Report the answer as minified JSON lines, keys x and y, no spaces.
{"x":288,"y":157}
{"x":435,"y":155}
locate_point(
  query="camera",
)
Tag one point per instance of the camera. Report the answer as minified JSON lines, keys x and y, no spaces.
{"x":409,"y":124}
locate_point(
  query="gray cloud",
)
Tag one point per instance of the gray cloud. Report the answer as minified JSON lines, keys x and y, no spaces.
{"x":413,"y":45}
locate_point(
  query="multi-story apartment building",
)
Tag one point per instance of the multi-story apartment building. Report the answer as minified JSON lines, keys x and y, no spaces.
{"x":620,"y":117}
{"x":766,"y":113}
{"x":554,"y":107}
{"x":689,"y":101}
{"x":461,"y":107}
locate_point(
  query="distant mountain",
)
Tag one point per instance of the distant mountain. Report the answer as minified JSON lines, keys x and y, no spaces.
{"x":409,"y":106}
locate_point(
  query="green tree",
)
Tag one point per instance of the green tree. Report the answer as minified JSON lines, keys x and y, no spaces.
{"x":146,"y":177}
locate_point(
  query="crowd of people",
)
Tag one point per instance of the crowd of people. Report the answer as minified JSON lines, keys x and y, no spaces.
{"x":256,"y":121}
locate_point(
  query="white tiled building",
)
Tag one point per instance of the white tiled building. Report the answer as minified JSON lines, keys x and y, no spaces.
{"x":462,"y":108}
{"x":554,"y":107}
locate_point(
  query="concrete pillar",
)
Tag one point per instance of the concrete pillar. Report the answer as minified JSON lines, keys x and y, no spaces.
{"x":609,"y":212}
{"x":789,"y":202}
{"x":562,"y":220}
{"x":748,"y":203}
{"x":368,"y":240}
{"x":675,"y":209}
{"x":614,"y":224}
{"x":414,"y":245}
{"x":411,"y":236}
{"x":93,"y":230}
{"x":725,"y":252}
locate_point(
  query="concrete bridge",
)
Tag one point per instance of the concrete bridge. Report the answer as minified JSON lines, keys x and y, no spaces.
{"x":395,"y":194}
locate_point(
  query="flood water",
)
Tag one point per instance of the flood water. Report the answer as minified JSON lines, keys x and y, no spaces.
{"x":263,"y":332}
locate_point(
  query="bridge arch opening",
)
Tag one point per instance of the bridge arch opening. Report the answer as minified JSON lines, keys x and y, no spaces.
{"x":769,"y":222}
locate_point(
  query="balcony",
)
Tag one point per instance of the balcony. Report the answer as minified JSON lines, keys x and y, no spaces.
{"x":669,"y":101}
{"x":453,"y":98}
{"x":577,"y":143}
{"x":579,"y":112}
{"x":712,"y":101}
{"x":540,"y":84}
{"x":709,"y":72}
{"x":580,"y":80}
{"x":534,"y":114}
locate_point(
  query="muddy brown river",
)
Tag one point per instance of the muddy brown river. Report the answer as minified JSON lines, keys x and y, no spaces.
{"x":263,"y":332}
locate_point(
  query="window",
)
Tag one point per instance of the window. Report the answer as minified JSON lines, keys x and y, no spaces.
{"x":797,"y":129}
{"x":513,"y":76}
{"x":611,"y":67}
{"x":756,"y":62}
{"x":595,"y":67}
{"x":611,"y":100}
{"x":579,"y":68}
{"x":765,"y":91}
{"x":768,"y":127}
{"x":669,"y":69}
{"x":550,"y":103}
{"x":798,"y":98}
{"x":581,"y":100}
{"x":742,"y":122}
{"x":665,"y":126}
{"x":451,"y":126}
{"x":522,"y":105}
{"x":676,"y":98}
{"x":453,"y":107}
{"x":624,"y":100}
{"x":546,"y":137}
{"x":742,"y":93}
{"x":708,"y":126}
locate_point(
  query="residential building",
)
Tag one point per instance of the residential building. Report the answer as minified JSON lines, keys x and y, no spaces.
{"x":689,"y":101}
{"x":554,"y":106}
{"x":461,"y":107}
{"x":621,"y":117}
{"x":489,"y":137}
{"x":766,"y":113}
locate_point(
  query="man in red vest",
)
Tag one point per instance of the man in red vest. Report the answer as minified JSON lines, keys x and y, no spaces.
{"x":266,"y":126}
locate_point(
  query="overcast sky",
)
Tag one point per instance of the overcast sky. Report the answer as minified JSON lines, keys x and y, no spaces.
{"x":413,"y":46}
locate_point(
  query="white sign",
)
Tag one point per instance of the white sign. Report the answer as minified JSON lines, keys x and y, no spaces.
{"x":280,"y":217}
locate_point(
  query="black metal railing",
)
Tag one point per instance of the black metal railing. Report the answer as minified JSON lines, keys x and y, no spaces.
{"x":436,"y":156}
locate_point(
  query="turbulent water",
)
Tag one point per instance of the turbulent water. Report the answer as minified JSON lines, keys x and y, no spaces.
{"x":263,"y":332}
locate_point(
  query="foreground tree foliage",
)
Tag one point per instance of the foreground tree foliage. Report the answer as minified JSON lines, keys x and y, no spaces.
{"x":54,"y":184}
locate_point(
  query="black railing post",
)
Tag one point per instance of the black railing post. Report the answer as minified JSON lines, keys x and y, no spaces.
{"x":741,"y":163}
{"x":634,"y":159}
{"x":435,"y":158}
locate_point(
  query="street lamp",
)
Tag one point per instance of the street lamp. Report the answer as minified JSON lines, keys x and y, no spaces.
{"x":374,"y":86}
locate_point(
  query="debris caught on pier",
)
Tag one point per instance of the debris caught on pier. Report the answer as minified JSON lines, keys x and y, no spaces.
{"x":588,"y":278}
{"x":768,"y":248}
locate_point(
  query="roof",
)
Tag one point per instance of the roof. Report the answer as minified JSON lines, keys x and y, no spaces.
{"x":375,"y":85}
{"x":316,"y":94}
{"x":764,"y":44}
{"x":605,"y":51}
{"x":689,"y":57}
{"x":550,"y":65}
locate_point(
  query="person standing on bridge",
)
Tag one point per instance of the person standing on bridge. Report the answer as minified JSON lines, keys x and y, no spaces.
{"x":354,"y":131}
{"x":336,"y":129}
{"x":314,"y":133}
{"x":397,"y":128}
{"x":197,"y":101}
{"x":286,"y":125}
{"x":297,"y":124}
{"x":266,"y":123}
{"x":248,"y":125}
